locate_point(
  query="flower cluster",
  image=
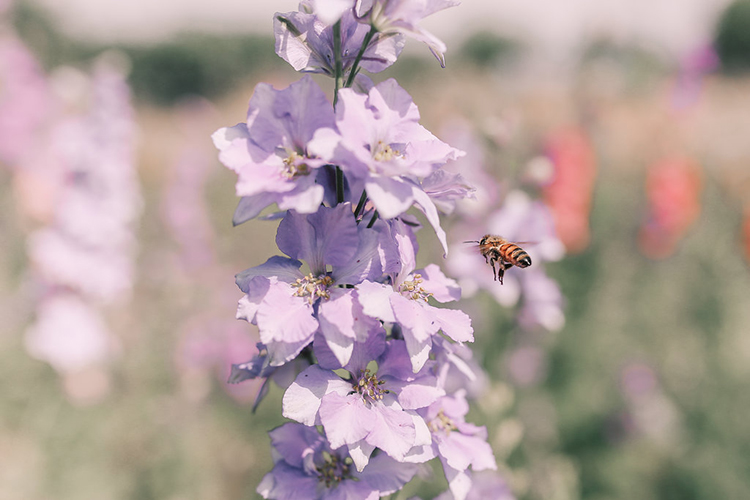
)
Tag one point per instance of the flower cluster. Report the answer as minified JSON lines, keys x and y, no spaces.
{"x":344,"y":312}
{"x":83,"y":258}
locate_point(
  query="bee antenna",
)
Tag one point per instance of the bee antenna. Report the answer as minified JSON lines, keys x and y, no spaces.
{"x":471,"y":241}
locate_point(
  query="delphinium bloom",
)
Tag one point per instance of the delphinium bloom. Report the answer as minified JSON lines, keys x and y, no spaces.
{"x":270,"y":152}
{"x":458,"y":444}
{"x":359,"y":321}
{"x":405,"y":300}
{"x":403,"y":16}
{"x":384,"y":151}
{"x":307,"y":467}
{"x":289,"y":307}
{"x":307,"y":43}
{"x":368,"y":409}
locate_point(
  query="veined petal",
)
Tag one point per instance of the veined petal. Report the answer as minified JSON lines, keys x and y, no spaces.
{"x":455,"y":324}
{"x":280,"y":268}
{"x":302,"y":399}
{"x":392,"y":430}
{"x":391,"y":196}
{"x":375,"y":300}
{"x":345,"y":419}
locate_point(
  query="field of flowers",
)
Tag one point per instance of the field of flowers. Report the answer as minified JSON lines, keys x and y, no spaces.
{"x":615,"y":367}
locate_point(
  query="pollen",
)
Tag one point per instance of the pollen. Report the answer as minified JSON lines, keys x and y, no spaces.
{"x":413,"y":289}
{"x":313,"y":287}
{"x":384,"y":152}
{"x":294,"y":166}
{"x":369,"y":387}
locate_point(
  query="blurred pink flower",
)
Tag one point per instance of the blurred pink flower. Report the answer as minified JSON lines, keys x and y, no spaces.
{"x":25,"y":100}
{"x":673,"y":188}
{"x":569,"y":192}
{"x":69,"y":334}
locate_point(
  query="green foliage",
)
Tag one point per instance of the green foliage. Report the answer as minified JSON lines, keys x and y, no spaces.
{"x":732,"y":37}
{"x":486,"y":49}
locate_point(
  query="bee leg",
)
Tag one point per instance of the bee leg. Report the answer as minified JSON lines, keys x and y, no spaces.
{"x":494,"y":271}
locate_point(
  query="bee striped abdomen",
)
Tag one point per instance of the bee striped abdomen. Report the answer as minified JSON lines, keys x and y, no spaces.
{"x":515,"y":255}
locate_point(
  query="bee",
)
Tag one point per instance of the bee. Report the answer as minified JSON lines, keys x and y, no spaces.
{"x":506,"y":254}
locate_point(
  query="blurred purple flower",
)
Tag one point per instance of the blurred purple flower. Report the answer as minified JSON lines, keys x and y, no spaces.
{"x":270,"y":152}
{"x":403,"y":16}
{"x":307,"y":468}
{"x":405,"y":301}
{"x":306,"y":42}
{"x":367,"y":410}
{"x":520,"y":219}
{"x":484,"y":485}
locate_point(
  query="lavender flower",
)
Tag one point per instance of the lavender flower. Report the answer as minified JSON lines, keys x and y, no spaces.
{"x":406,"y":301}
{"x":458,"y":444}
{"x":384,"y":150}
{"x":307,"y":43}
{"x":403,"y":16}
{"x":289,"y":307}
{"x":307,"y":467}
{"x":368,"y":410}
{"x":270,"y":152}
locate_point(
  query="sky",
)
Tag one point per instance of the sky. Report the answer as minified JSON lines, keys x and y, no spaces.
{"x":557,"y":26}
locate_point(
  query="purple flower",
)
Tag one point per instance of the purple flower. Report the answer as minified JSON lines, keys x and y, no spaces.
{"x":306,"y":42}
{"x":405,"y":301}
{"x":307,"y":468}
{"x":484,"y":485}
{"x":367,"y":410}
{"x":403,"y":16}
{"x":384,"y":150}
{"x":290,"y":307}
{"x":270,"y":152}
{"x":458,"y":444}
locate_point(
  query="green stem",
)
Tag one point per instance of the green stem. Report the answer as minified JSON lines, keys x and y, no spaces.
{"x":339,"y":185}
{"x":361,"y":204}
{"x":338,"y":76}
{"x":355,"y":67}
{"x":372,"y":221}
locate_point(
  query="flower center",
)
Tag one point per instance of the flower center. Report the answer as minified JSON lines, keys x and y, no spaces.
{"x":413,"y":289}
{"x":312,"y":287}
{"x":333,"y":470}
{"x":384,"y":152}
{"x":442,"y":424}
{"x":294,"y":166}
{"x":369,"y":387}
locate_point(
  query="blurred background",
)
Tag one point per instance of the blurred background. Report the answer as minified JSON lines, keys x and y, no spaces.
{"x":618,"y":371}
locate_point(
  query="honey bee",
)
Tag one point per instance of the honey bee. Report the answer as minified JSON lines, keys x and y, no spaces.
{"x":506,"y":254}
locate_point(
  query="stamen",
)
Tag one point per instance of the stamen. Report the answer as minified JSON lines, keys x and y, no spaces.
{"x":333,"y":470}
{"x":441,"y":423}
{"x":384,"y":152}
{"x":294,"y":166}
{"x":313,"y":288}
{"x":369,"y":387}
{"x":413,"y":289}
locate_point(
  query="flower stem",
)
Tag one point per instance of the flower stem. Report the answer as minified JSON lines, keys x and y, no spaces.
{"x":361,"y":204}
{"x":338,"y":68}
{"x":339,"y":185}
{"x":355,"y":67}
{"x":372,"y":221}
